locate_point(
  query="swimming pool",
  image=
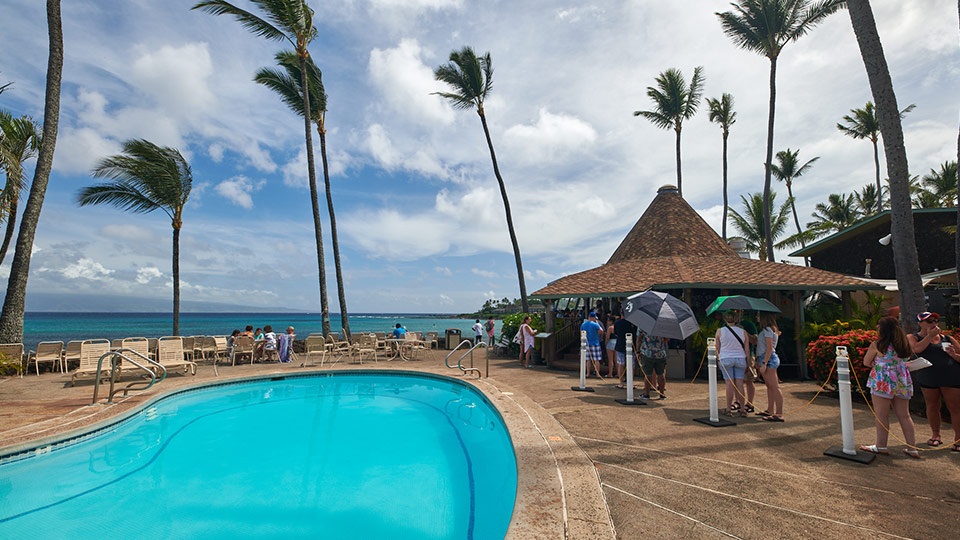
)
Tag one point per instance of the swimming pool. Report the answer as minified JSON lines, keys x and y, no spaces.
{"x":334,"y":455}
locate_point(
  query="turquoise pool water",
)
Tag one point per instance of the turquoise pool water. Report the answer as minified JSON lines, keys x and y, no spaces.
{"x":342,"y":455}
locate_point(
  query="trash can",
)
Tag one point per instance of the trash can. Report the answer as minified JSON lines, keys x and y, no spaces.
{"x":453,"y":338}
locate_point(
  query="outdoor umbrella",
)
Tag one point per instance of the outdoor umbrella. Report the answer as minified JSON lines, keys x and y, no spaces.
{"x":738,"y":301}
{"x":660,"y":314}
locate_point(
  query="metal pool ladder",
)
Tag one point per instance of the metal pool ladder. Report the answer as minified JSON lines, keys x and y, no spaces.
{"x":468,"y":352}
{"x":125,"y":355}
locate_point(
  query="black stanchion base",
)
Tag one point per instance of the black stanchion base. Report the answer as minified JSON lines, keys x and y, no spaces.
{"x":860,"y":457}
{"x":719,"y":423}
{"x":584,"y":389}
{"x":634,"y":402}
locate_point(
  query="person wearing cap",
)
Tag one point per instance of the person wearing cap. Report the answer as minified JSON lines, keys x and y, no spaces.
{"x":594,"y":351}
{"x":940,"y":381}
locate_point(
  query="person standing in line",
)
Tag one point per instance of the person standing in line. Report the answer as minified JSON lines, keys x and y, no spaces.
{"x":732,"y":349}
{"x":594,"y":351}
{"x":942,"y":379}
{"x":767,"y":363}
{"x":890,"y":384}
{"x":750,"y":374}
{"x":621,"y":329}
{"x":526,"y":342}
{"x":653,"y":362}
{"x":477,"y":332}
{"x":491,"y":327}
{"x":611,"y":343}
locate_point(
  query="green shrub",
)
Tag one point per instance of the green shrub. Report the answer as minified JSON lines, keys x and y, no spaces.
{"x":821,"y":354}
{"x":9,"y":365}
{"x":511,"y":325}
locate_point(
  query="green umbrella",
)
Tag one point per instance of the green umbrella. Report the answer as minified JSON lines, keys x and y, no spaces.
{"x":738,"y":301}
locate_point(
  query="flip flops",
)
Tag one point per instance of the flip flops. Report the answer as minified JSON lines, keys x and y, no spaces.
{"x":911,"y":452}
{"x":934,"y":441}
{"x":874,"y":449}
{"x":772,"y":418}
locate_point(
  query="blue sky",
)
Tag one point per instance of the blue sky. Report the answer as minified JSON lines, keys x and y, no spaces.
{"x":421,"y":222}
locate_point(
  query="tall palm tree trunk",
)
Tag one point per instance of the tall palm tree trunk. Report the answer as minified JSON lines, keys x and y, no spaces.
{"x":506,"y":207}
{"x":315,"y":200}
{"x":176,"y":278}
{"x":11,"y":227}
{"x":679,"y":175}
{"x":796,"y":220}
{"x":876,"y":167}
{"x":11,"y":319}
{"x":904,"y":244}
{"x":344,"y":317}
{"x":725,"y":201}
{"x":767,"y":210}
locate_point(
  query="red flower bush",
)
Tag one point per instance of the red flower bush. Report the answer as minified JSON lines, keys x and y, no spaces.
{"x":821,"y":354}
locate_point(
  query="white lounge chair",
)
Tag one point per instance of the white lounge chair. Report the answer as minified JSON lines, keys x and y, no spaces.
{"x":315,"y":345}
{"x":242,"y":346}
{"x":47,"y":352}
{"x":170,"y":355}
{"x":90,"y":352}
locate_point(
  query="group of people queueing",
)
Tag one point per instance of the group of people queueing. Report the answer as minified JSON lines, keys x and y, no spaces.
{"x":736,"y":341}
{"x":891,"y":382}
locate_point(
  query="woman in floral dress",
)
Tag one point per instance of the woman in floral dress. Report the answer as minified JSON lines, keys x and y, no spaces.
{"x":890,"y":384}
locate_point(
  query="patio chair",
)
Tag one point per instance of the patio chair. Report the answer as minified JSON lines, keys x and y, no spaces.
{"x":170,"y":355}
{"x":315,"y":345}
{"x":71,"y":353}
{"x":90,"y":352}
{"x":188,"y":352}
{"x":413,"y":345}
{"x":367,"y":344}
{"x":208,"y":348}
{"x":223,"y":349}
{"x":432,"y":340}
{"x":242,"y":346}
{"x":47,"y":351}
{"x":13,"y":354}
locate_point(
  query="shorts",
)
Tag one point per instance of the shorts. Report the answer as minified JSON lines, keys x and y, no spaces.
{"x":611,"y":343}
{"x":594,"y":353}
{"x":621,"y":358}
{"x":774,"y":362}
{"x":733,"y":368}
{"x":653,"y":365}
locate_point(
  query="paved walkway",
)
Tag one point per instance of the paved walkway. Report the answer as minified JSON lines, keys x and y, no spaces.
{"x":596,"y":469}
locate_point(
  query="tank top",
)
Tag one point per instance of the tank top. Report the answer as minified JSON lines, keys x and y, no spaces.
{"x":729,"y":346}
{"x":945,"y":371}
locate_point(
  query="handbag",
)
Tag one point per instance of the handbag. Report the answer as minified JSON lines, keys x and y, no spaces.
{"x":917,"y":363}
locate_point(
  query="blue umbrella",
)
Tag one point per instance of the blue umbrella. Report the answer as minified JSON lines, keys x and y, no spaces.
{"x":660,"y":314}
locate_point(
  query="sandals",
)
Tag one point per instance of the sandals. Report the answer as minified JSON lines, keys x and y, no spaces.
{"x":955,"y":447}
{"x":749,"y":408}
{"x":912,"y":452}
{"x":764,"y":413}
{"x":731,"y":413}
{"x":874,"y":449}
{"x":772,"y":418}
{"x":934,"y":441}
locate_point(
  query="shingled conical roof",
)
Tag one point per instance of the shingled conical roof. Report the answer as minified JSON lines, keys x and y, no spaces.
{"x":670,"y":228}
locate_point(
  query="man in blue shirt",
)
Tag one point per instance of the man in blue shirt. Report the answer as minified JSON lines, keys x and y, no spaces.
{"x":399,"y":332}
{"x":594,"y":351}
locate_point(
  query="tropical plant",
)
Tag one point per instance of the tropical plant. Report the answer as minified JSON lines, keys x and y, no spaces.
{"x":821,"y":355}
{"x":511,"y":325}
{"x":19,"y":141}
{"x":290,"y":21}
{"x":835,"y":215}
{"x":143,"y":178}
{"x":471,"y":79}
{"x":287,"y":83}
{"x":867,"y":200}
{"x":674,"y":102}
{"x":750,"y":224}
{"x":786,"y":169}
{"x":11,"y":319}
{"x":765,"y":27}
{"x":938,"y":189}
{"x":721,"y":112}
{"x":904,"y":245}
{"x":864,"y":124}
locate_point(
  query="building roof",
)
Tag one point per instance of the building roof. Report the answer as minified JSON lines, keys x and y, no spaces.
{"x":671,"y":246}
{"x":866,"y":224}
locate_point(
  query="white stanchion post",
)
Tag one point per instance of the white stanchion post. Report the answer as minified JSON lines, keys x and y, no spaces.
{"x":848,"y":450}
{"x":712,"y":378}
{"x":583,"y":365}
{"x":714,"y":419}
{"x":631,"y":355}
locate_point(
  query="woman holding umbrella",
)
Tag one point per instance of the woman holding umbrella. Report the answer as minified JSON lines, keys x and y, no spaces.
{"x":733,"y":349}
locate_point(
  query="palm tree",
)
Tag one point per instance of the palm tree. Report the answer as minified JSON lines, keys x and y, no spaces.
{"x":867,"y":200}
{"x":471,"y":79}
{"x":786,"y":170}
{"x":286,"y":82}
{"x":673,"y":103}
{"x":11,"y":319}
{"x":904,"y":245}
{"x":144,"y":178}
{"x":765,"y":27}
{"x":750,"y":224}
{"x":864,"y":124}
{"x":836,"y":215}
{"x":291,"y":21}
{"x":941,"y":185}
{"x":721,"y":112}
{"x":19,"y":141}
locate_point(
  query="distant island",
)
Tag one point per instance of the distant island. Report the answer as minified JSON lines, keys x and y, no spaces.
{"x":500,"y":308}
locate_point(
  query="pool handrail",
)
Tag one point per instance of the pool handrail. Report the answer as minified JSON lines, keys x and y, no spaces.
{"x":114,"y":375}
{"x":473,"y":346}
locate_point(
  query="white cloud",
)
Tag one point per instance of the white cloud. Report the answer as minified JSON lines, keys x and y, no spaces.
{"x":483,"y":273}
{"x":87,"y":269}
{"x":148,"y":274}
{"x":239,"y":190}
{"x":443,"y":270}
{"x":405,"y":85}
{"x":552,"y":137}
{"x":176,"y":78}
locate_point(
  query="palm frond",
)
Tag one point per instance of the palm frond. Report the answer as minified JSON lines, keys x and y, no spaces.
{"x":249,"y":21}
{"x":470,"y":78}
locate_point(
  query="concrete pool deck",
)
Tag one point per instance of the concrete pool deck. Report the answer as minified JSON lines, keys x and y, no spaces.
{"x":592,"y":468}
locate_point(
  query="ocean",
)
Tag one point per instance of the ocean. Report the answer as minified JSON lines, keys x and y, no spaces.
{"x":62,"y":326}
